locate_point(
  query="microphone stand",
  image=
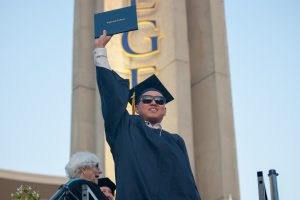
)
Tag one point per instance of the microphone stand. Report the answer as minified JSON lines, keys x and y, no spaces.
{"x":273,"y":184}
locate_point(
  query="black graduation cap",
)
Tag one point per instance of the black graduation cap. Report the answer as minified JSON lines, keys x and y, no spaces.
{"x":108,"y":183}
{"x":151,"y":83}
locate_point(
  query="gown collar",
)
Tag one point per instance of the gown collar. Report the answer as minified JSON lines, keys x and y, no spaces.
{"x":155,"y":126}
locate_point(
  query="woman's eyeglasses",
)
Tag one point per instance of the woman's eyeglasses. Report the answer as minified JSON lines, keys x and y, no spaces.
{"x":147,"y":99}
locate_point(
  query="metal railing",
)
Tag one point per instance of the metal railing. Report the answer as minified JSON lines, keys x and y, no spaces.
{"x":86,"y":192}
{"x":64,"y":193}
{"x":273,"y":185}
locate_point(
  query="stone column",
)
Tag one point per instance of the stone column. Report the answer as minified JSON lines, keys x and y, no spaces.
{"x":87,"y":131}
{"x":214,"y":138}
{"x":174,"y":70}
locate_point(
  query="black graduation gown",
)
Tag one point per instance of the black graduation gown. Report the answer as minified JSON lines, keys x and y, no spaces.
{"x":148,"y":166}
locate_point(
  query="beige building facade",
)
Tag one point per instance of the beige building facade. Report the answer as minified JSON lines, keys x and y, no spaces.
{"x":45,"y":185}
{"x":184,"y":43}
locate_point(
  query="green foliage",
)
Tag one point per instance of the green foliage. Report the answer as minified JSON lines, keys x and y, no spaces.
{"x":25,"y":193}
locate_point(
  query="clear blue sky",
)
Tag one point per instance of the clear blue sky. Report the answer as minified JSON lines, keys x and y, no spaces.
{"x":36,"y":74}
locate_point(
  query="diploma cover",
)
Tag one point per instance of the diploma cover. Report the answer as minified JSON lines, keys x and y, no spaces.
{"x":116,"y":21}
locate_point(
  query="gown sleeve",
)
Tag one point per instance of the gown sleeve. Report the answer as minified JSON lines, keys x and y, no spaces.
{"x":114,"y":92}
{"x":181,"y":143}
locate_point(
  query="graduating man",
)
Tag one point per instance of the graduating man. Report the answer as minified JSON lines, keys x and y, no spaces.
{"x":150,"y":163}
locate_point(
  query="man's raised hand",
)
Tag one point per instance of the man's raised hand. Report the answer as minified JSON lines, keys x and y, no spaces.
{"x":102,"y":40}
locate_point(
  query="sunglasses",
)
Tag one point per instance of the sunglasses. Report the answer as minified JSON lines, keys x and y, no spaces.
{"x":147,"y":99}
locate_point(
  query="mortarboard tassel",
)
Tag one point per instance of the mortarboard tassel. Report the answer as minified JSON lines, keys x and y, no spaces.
{"x":133,"y":103}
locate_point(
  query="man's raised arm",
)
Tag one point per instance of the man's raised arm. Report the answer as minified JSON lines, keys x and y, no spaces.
{"x":113,"y":89}
{"x":100,"y":54}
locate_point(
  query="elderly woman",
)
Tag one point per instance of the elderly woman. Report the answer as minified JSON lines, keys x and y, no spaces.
{"x":82,"y":169}
{"x":84,"y":165}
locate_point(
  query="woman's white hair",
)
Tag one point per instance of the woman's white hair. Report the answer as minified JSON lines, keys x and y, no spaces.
{"x":80,"y":160}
